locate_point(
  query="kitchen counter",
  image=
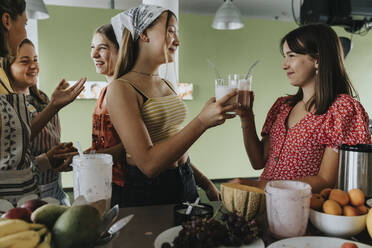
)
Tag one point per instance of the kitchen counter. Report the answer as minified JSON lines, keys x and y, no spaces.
{"x":148,"y":222}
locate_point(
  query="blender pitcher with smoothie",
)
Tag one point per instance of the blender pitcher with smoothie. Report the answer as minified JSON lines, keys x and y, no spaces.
{"x":92,"y":177}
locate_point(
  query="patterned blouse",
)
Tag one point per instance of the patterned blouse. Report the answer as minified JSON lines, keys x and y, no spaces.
{"x":50,"y":184}
{"x":297,"y":152}
{"x":104,"y":136}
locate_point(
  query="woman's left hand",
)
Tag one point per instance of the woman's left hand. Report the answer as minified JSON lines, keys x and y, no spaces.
{"x":212,"y":193}
{"x":63,"y":94}
{"x":61,"y":164}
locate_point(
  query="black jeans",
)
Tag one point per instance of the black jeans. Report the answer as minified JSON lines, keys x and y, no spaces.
{"x":170,"y":187}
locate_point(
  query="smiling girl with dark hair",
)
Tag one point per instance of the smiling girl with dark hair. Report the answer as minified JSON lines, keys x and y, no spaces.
{"x":302,"y":132}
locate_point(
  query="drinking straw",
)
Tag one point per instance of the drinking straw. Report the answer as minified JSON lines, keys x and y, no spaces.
{"x":214,"y":68}
{"x":80,"y":150}
{"x":251,"y":68}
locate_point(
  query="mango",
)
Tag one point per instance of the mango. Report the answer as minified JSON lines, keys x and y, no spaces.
{"x":48,"y":214}
{"x":78,"y":226}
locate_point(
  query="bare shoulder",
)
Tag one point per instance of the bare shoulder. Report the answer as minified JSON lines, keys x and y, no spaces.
{"x":120,"y":86}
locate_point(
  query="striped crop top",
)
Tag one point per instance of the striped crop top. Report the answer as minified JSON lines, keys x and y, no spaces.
{"x":163,"y":116}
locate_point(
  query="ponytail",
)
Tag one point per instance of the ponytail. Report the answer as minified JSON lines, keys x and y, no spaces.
{"x":128,"y":54}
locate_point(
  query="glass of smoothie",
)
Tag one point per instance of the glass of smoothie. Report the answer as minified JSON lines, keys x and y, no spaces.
{"x":221,"y":88}
{"x":244,"y":90}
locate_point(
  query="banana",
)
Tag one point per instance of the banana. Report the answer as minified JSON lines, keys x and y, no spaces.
{"x":46,"y":242}
{"x":42,"y":231}
{"x":43,"y":245}
{"x":23,"y":244}
{"x":13,"y":226}
{"x":35,"y":226}
{"x":25,"y":239}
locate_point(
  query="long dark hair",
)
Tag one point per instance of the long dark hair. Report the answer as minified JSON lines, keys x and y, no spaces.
{"x":322,"y":43}
{"x":128,"y":52}
{"x":14,"y":8}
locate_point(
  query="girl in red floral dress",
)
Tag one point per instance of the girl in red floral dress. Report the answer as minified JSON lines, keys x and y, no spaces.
{"x":302,"y":132}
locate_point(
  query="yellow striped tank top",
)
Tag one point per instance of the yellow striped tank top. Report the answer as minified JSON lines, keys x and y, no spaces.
{"x":163,"y":116}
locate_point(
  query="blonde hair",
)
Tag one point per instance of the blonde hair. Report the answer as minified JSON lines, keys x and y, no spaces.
{"x":128,"y":54}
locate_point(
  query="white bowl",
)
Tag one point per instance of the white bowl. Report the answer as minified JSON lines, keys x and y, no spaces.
{"x":336,"y":225}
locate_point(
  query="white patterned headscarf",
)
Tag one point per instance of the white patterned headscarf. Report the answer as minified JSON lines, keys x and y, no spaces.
{"x":136,"y":20}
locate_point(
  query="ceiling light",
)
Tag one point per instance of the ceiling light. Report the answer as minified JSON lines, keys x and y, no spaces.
{"x":227,"y":17}
{"x":36,"y":9}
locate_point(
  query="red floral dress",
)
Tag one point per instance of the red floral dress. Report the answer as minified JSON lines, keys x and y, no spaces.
{"x":297,"y":152}
{"x":104,"y":136}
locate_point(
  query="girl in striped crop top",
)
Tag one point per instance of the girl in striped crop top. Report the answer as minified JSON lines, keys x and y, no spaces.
{"x":148,"y":116}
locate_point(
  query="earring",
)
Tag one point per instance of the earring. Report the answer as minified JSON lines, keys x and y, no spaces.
{"x":316,"y":71}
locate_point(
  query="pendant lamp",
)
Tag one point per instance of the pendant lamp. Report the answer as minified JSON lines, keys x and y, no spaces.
{"x":36,"y":9}
{"x":227,"y":17}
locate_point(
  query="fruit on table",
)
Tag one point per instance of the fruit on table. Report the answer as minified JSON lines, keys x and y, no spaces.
{"x":48,"y":214}
{"x":369,"y":222}
{"x":362,"y":209}
{"x":325,"y":192}
{"x":78,"y":226}
{"x":316,"y":201}
{"x":354,"y":200}
{"x":356,"y":197}
{"x":33,"y":204}
{"x":339,"y":196}
{"x":46,"y":243}
{"x":19,"y":213}
{"x":25,"y":239}
{"x":349,"y":245}
{"x":13,"y":226}
{"x":332,"y":207}
{"x":20,"y":234}
{"x":245,"y":200}
{"x":350,"y":211}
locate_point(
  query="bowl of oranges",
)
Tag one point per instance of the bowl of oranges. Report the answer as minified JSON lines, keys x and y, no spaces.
{"x":338,"y":213}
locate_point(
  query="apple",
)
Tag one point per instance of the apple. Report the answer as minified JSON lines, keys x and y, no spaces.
{"x":33,"y":204}
{"x":18,"y":213}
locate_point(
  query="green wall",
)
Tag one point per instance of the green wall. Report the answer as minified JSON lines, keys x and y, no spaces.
{"x":64,"y":46}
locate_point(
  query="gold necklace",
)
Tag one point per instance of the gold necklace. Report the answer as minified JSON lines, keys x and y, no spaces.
{"x":146,"y":74}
